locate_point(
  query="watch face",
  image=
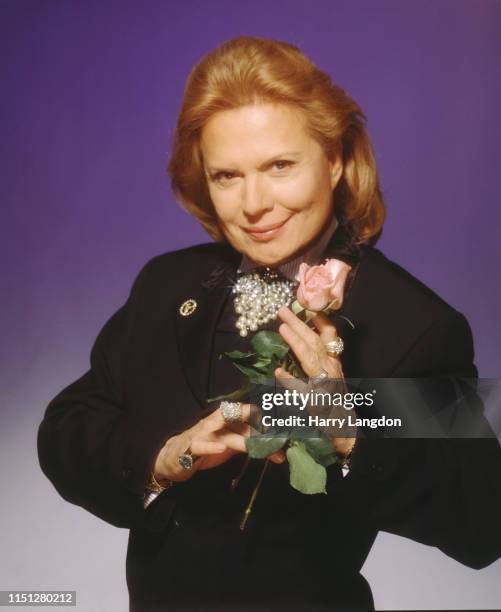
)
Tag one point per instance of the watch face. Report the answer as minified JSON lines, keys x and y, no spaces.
{"x":186,"y":461}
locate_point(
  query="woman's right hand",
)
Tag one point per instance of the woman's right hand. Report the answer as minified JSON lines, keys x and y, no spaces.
{"x":212,"y":439}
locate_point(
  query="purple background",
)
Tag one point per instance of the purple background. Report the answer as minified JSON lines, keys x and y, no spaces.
{"x":90,"y":95}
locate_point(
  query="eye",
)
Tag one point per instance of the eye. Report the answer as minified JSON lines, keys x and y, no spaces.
{"x":281,"y":164}
{"x":222,"y":178}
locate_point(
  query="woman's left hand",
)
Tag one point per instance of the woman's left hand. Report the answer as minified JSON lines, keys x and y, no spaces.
{"x":308,"y":345}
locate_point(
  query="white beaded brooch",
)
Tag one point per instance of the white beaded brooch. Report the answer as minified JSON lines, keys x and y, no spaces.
{"x":259,"y":297}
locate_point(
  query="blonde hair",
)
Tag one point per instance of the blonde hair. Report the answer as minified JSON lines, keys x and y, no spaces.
{"x":248,"y":70}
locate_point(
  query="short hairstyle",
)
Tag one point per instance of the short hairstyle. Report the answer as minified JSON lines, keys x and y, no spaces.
{"x":249,"y":70}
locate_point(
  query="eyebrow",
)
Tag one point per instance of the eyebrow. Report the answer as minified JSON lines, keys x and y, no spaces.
{"x":265,"y":164}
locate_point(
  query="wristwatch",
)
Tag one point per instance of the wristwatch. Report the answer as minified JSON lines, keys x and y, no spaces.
{"x":154,"y":486}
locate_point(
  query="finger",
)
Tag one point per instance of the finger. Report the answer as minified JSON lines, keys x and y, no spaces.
{"x":243,"y":429}
{"x":231,"y":440}
{"x":278,"y":457}
{"x":298,"y":327}
{"x":201,"y":447}
{"x":283,"y":374}
{"x":236,"y":443}
{"x":328,"y":333}
{"x":294,"y":340}
{"x":290,"y":382}
{"x":215,"y":420}
{"x":326,"y":329}
{"x":306,"y":354}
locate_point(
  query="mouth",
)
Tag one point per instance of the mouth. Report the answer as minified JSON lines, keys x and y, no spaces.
{"x":266,"y":232}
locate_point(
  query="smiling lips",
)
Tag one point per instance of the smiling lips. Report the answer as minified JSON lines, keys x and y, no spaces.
{"x":265,"y":233}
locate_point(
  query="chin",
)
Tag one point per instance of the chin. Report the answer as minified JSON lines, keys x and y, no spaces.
{"x":271,"y":256}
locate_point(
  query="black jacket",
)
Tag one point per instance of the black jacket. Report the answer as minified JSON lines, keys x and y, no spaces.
{"x":149,"y":380}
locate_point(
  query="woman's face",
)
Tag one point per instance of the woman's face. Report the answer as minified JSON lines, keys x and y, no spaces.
{"x":270,"y":182}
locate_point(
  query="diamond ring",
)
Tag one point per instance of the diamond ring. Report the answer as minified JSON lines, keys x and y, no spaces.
{"x":187,"y":459}
{"x":231,"y":411}
{"x":317,"y":380}
{"x":335,"y":347}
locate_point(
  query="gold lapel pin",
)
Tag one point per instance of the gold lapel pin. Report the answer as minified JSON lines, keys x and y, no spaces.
{"x":188,"y":307}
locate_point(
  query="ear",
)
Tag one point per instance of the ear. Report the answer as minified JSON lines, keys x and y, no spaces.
{"x":336,"y":168}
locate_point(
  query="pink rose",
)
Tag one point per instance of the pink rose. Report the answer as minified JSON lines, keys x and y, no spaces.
{"x":321,"y":286}
{"x":314,"y":287}
{"x":338,"y":271}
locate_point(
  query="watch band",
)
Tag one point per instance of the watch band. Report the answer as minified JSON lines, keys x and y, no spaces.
{"x":153,"y":486}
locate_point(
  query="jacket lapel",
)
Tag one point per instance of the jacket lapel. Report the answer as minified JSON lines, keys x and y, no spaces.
{"x":196,"y":320}
{"x":369,"y":307}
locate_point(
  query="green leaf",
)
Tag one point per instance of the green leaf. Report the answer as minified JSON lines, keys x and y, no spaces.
{"x":291,"y":365}
{"x":274,"y":364}
{"x":269,"y":344}
{"x":262,"y":364}
{"x":234,"y":395}
{"x":269,"y":369}
{"x":306,"y":475}
{"x":322,"y":450}
{"x":238,"y":355}
{"x":260,"y":447}
{"x":319,"y":447}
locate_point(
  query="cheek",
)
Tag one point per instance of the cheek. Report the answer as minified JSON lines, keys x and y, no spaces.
{"x":306,"y":192}
{"x":224,"y":205}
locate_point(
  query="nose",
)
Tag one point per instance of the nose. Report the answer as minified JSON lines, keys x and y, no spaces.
{"x":255,"y":197}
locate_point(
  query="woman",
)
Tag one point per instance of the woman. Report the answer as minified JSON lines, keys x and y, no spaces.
{"x":275,"y":162}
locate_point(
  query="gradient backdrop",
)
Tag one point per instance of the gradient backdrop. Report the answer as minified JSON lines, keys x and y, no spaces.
{"x":90,"y":91}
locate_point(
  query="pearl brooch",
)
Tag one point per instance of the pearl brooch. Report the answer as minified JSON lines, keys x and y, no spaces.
{"x":259,"y":297}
